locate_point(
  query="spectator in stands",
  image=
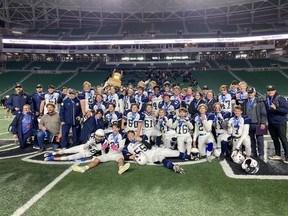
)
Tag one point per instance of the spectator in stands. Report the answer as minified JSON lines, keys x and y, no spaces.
{"x":277,"y":110}
{"x":24,"y":126}
{"x":17,"y":100}
{"x":70,"y":116}
{"x":255,"y":109}
{"x":49,"y":127}
{"x":37,"y":99}
{"x":92,"y":124}
{"x":193,"y":107}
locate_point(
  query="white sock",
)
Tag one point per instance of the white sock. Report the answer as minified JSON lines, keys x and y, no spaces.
{"x":86,"y":167}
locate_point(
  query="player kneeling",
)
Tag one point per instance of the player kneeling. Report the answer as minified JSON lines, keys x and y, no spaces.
{"x":115,"y":145}
{"x":91,"y":148}
{"x":141,"y":151}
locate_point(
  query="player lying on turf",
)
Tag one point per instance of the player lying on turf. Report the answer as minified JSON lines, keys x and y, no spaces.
{"x":115,"y":145}
{"x":93,"y":147}
{"x":139,"y":150}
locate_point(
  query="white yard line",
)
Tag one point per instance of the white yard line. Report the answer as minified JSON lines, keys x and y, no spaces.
{"x":14,"y":156}
{"x":4,"y":133}
{"x":39,"y":195}
{"x":7,"y":149}
{"x":4,"y":146}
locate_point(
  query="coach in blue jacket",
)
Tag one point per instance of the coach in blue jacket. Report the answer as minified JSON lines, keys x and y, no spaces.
{"x":92,"y":124}
{"x":70,"y":116}
{"x":24,"y":126}
{"x":17,"y":100}
{"x":277,"y":110}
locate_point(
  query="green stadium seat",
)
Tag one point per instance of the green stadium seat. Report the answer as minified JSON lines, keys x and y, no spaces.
{"x":9,"y":79}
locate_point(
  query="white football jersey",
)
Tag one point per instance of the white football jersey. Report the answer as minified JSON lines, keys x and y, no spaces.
{"x":51,"y":98}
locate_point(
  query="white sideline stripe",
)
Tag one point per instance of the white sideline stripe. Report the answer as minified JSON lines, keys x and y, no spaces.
{"x":229,"y":172}
{"x":7,"y":149}
{"x":14,"y":156}
{"x":7,"y":145}
{"x":4,"y":133}
{"x":39,"y":195}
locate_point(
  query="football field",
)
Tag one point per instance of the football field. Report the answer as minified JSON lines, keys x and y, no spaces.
{"x":48,"y":189}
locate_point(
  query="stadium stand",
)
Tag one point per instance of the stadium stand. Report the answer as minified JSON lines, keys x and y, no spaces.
{"x":16,"y":65}
{"x":235,"y":63}
{"x":43,"y":65}
{"x":110,"y":29}
{"x":196,"y":28}
{"x":72,"y":66}
{"x":168,"y":27}
{"x":212,"y":78}
{"x":136,"y":28}
{"x":260,"y":79}
{"x":9,"y":79}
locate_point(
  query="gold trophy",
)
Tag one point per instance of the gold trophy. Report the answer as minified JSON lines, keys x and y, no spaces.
{"x":115,"y":79}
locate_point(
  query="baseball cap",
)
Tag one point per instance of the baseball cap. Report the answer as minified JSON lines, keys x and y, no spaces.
{"x":251,"y":90}
{"x":234,"y":82}
{"x":99,"y":111}
{"x":50,"y":104}
{"x":39,"y":86}
{"x":51,"y":87}
{"x":205,"y":87}
{"x":166,"y":83}
{"x":271,"y":88}
{"x":18,"y":85}
{"x":72,"y":91}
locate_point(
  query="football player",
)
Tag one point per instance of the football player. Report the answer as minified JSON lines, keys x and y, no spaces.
{"x":115,"y":145}
{"x":141,"y":99}
{"x":91,"y":148}
{"x":238,"y":127}
{"x":139,"y":150}
{"x":189,"y":96}
{"x":113,"y":97}
{"x":225,"y":99}
{"x":183,"y":128}
{"x":51,"y":97}
{"x":148,"y":127}
{"x":222,"y":136}
{"x":111,"y":117}
{"x":133,"y":120}
{"x":169,"y":106}
{"x":165,"y":125}
{"x":241,"y":94}
{"x":203,"y":132}
{"x":86,"y":97}
{"x":156,"y":98}
{"x":98,"y":104}
{"x":128,"y":99}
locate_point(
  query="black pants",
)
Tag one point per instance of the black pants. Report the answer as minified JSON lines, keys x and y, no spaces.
{"x":278,"y":131}
{"x":254,"y":144}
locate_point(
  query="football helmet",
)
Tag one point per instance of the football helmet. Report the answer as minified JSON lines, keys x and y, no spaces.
{"x":237,"y":157}
{"x":99,"y":134}
{"x":195,"y":154}
{"x":217,"y":152}
{"x":141,"y":158}
{"x":250,"y":166}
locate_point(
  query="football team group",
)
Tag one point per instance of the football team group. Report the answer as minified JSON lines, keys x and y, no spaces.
{"x":149,"y":123}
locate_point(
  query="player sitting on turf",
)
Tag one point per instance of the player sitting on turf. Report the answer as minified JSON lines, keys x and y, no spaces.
{"x":183,"y":127}
{"x":203,"y":128}
{"x":139,"y":150}
{"x":238,"y":127}
{"x":115,"y":145}
{"x":91,"y":148}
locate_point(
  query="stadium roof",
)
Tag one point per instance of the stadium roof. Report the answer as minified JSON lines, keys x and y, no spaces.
{"x":88,"y":13}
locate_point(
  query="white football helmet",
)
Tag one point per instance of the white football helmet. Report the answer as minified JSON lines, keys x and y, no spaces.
{"x":195,"y":154}
{"x":250,"y":166}
{"x":217,"y":152}
{"x":141,"y":158}
{"x":99,"y":134}
{"x":237,"y":157}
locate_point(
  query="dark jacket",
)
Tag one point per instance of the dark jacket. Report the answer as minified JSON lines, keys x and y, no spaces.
{"x":70,"y":110}
{"x":36,"y":101}
{"x":90,"y":126}
{"x":260,"y":110}
{"x":280,"y":114}
{"x":17,"y":124}
{"x":18,"y":100}
{"x":193,"y":107}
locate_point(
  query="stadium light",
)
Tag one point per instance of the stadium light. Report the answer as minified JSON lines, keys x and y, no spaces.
{"x":153,"y":41}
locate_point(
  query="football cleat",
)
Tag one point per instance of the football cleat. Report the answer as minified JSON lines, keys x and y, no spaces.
{"x":49,"y":158}
{"x":178,"y":169}
{"x":48,"y":154}
{"x":124,"y":168}
{"x":77,"y":168}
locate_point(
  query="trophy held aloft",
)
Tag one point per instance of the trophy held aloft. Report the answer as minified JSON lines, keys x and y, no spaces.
{"x":115,"y":79}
